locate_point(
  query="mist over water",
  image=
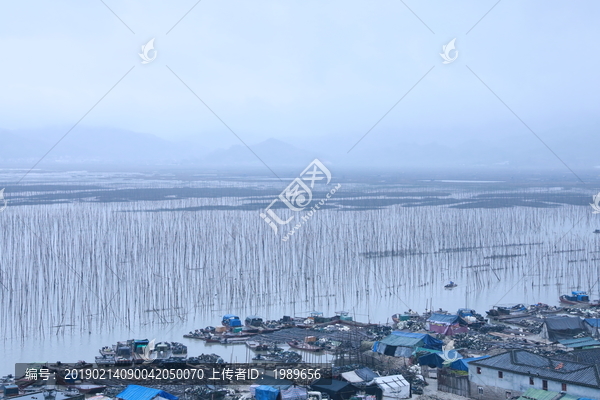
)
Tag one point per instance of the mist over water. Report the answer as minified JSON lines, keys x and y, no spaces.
{"x":88,"y":259}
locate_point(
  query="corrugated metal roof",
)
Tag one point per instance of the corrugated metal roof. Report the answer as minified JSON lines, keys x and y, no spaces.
{"x":538,"y":394}
{"x":569,"y":397}
{"x":135,"y":392}
{"x":581,"y":342}
{"x":526,"y":363}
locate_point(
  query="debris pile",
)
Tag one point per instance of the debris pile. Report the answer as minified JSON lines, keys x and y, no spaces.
{"x":206,"y":359}
{"x":473,"y":341}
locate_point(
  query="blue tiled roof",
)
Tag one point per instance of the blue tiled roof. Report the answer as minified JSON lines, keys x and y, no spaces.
{"x":135,"y":392}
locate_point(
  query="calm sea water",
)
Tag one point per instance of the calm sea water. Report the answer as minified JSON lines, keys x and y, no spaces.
{"x":84,"y":257}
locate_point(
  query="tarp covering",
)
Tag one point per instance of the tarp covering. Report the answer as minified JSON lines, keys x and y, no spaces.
{"x":558,"y":328}
{"x":294,"y":393}
{"x":447,"y":319}
{"x":264,"y":392}
{"x":338,"y":390}
{"x":463,"y":363}
{"x":432,"y":360}
{"x":593,"y":322}
{"x":280,"y":384}
{"x":403,"y":344}
{"x":429,"y":342}
{"x":446,"y":324}
{"x":135,"y":392}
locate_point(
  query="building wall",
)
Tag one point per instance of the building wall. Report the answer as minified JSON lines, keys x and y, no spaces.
{"x":490,"y":392}
{"x":517,"y":384}
{"x":452,"y":383}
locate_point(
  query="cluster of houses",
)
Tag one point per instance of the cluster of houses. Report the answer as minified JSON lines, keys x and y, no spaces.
{"x":561,"y":361}
{"x":565,"y":365}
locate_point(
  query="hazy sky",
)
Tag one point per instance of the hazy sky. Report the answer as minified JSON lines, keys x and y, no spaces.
{"x":301,"y":71}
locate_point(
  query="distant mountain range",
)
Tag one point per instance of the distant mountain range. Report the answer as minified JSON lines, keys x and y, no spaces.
{"x":126,"y":148}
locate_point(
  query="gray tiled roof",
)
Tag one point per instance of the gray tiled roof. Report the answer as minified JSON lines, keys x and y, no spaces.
{"x":526,"y":363}
{"x":585,"y":356}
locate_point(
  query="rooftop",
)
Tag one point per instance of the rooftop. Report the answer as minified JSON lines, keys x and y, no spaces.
{"x":526,"y":363}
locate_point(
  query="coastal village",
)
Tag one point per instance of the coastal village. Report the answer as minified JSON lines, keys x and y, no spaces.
{"x":534,"y":352}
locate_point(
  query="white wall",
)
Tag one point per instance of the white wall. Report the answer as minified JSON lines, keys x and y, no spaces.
{"x":520,"y":383}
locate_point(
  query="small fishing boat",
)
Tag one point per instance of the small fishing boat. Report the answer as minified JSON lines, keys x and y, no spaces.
{"x":254,"y":321}
{"x":162,"y":351}
{"x":578,"y":297}
{"x":238,"y":334}
{"x":82,"y":364}
{"x":105,"y":361}
{"x":267,"y":330}
{"x":279,"y":357}
{"x":123,"y":354}
{"x":233,"y":340}
{"x":205,"y":359}
{"x":178,"y":350}
{"x":508,"y":310}
{"x":450,"y":285}
{"x":257,"y":346}
{"x":107,"y":351}
{"x":231,"y":321}
{"x":304,"y":346}
{"x":597,"y":231}
{"x":196,"y":335}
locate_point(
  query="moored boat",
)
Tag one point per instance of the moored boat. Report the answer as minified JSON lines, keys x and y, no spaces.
{"x":106,"y":361}
{"x":577,"y":297}
{"x":278,"y":357}
{"x":107,"y":351}
{"x":304,"y":346}
{"x":254,"y":321}
{"x":450,"y":285}
{"x":256,"y":345}
{"x":178,"y":350}
{"x":233,"y":340}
